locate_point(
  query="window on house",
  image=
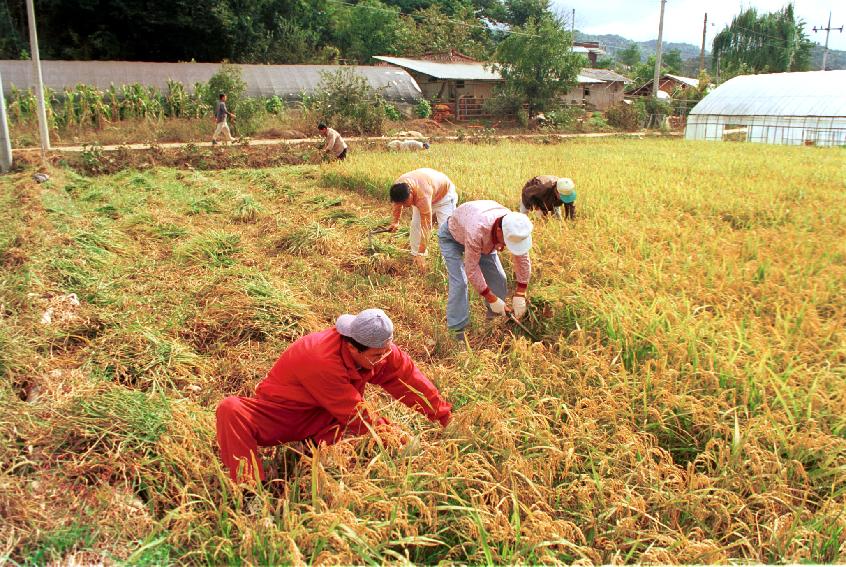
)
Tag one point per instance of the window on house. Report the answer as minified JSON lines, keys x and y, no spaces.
{"x":459,"y":84}
{"x":587,"y":91}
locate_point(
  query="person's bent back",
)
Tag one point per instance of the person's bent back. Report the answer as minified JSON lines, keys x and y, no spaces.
{"x":315,"y":389}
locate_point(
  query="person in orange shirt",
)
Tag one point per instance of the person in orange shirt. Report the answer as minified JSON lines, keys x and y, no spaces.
{"x":427,"y":192}
{"x":315,"y":390}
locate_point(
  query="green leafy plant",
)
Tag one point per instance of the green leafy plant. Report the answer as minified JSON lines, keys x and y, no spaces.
{"x":392,"y":113}
{"x":423,"y":109}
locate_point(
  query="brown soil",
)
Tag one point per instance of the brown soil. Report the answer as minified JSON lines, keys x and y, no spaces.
{"x":188,"y":156}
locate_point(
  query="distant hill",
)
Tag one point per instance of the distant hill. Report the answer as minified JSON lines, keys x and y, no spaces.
{"x":617,"y":42}
{"x":690,"y":52}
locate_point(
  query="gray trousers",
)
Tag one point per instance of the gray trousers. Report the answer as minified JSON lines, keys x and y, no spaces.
{"x":458,"y":306}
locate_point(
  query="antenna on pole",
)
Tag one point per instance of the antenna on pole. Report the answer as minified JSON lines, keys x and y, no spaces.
{"x":827,"y":30}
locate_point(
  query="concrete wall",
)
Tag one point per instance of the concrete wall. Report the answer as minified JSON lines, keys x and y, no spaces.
{"x":450,"y":90}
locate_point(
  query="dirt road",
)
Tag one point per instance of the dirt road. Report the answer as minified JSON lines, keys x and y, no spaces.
{"x":315,"y":141}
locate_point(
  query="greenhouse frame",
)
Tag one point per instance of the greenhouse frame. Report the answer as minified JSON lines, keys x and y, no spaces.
{"x":778,"y":108}
{"x":288,"y":82}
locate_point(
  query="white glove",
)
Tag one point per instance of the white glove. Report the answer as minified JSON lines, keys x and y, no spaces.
{"x":498,"y":306}
{"x":518,"y":304}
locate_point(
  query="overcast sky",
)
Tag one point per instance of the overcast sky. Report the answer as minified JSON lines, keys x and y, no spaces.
{"x":638,"y":19}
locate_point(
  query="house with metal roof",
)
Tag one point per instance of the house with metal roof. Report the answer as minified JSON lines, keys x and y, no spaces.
{"x":777,"y":108}
{"x":605,"y":94}
{"x":463,"y":83}
{"x":289,"y":82}
{"x":667,"y":84}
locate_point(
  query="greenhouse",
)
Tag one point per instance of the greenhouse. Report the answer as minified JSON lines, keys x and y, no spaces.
{"x":779,"y":108}
{"x":288,"y":82}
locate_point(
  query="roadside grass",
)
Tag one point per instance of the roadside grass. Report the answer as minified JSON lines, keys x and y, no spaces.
{"x":684,"y":406}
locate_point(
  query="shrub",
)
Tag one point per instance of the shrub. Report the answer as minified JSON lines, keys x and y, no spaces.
{"x":625,"y":116}
{"x":564,"y":117}
{"x":347,"y":101}
{"x":597,"y":121}
{"x":228,"y":81}
{"x":654,"y":110}
{"x":423,"y":109}
{"x":274,"y":105}
{"x":251,"y":114}
{"x":392,"y":113}
{"x":503,"y":103}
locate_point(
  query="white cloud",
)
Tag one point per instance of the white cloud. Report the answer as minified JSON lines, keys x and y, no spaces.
{"x":638,"y":19}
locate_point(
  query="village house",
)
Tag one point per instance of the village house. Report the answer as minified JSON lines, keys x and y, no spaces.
{"x":608,"y":90}
{"x":667,"y":84}
{"x":464,"y":84}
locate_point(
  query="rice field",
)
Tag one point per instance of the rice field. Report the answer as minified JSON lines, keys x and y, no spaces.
{"x":685,"y":404}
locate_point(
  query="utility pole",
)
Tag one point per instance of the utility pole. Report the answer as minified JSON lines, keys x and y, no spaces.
{"x":827,"y":30}
{"x":573,"y":25}
{"x":702,"y":51}
{"x":657,"y":76}
{"x":39,"y":82}
{"x":5,"y":142}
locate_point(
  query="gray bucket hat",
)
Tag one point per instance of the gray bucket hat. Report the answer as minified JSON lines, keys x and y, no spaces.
{"x":372,"y":327}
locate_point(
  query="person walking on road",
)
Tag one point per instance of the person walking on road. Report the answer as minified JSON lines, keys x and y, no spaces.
{"x":427,"y":192}
{"x":335,"y":144}
{"x":470,"y":240}
{"x":221,"y":116}
{"x":314,"y":393}
{"x":547,"y":194}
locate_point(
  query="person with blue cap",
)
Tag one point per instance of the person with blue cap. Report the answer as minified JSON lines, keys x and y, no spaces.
{"x":547,"y":194}
{"x":314,"y":392}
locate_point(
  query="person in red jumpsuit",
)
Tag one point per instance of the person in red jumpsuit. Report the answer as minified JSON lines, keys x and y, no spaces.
{"x":314,"y":391}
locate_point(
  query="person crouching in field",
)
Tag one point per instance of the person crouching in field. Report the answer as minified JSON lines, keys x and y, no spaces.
{"x":407,"y":145}
{"x":314,"y":392}
{"x":470,"y":240}
{"x":427,"y":192}
{"x":335,"y":144}
{"x":547,"y":193}
{"x":221,"y":116}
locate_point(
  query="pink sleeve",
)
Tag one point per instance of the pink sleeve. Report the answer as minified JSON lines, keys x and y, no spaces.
{"x":522,"y":268}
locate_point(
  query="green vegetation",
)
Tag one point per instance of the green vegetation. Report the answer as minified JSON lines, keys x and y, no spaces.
{"x":774,"y":42}
{"x":685,"y":404}
{"x":306,"y":31}
{"x":538,"y":64}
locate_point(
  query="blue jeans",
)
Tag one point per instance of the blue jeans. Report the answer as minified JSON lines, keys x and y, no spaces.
{"x":458,"y":307}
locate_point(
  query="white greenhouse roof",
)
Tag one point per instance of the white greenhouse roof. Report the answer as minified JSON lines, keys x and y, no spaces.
{"x":816,"y":93}
{"x":285,"y":81}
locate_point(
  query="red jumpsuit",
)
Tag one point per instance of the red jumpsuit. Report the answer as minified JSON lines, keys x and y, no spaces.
{"x":313,"y":393}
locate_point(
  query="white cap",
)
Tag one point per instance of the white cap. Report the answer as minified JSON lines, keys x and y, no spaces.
{"x":517,"y":231}
{"x":372,"y":327}
{"x":565,"y":185}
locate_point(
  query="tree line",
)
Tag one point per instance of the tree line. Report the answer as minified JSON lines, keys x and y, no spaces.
{"x":261,"y":31}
